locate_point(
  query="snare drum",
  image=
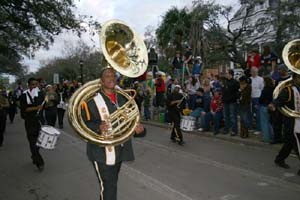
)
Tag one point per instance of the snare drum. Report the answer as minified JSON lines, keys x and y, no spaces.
{"x":188,"y":123}
{"x":48,"y":137}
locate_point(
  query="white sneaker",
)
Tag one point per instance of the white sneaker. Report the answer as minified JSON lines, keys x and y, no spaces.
{"x":200,"y":129}
{"x":257,"y":133}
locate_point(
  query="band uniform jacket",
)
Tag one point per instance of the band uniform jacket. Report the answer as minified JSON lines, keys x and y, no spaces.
{"x":32,"y":115}
{"x":286,"y":98}
{"x":91,"y":117}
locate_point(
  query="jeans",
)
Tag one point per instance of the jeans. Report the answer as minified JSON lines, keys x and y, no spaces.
{"x":217,"y":116}
{"x":205,"y":121}
{"x":230,"y":117}
{"x":146,"y":112}
{"x":192,"y":101}
{"x":266,"y":127}
{"x":255,"y":109}
{"x":197,"y":113}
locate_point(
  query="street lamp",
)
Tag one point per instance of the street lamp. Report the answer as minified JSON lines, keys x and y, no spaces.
{"x":81,"y":74}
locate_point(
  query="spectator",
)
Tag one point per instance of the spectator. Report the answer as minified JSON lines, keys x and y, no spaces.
{"x":216,"y":84}
{"x":160,"y":91}
{"x":268,"y":62}
{"x":188,"y":58}
{"x":216,"y":108}
{"x":197,"y":67}
{"x":253,"y":59}
{"x":177,"y":65}
{"x":147,"y":99}
{"x":245,"y":105}
{"x":192,"y":86}
{"x":198,"y":105}
{"x":205,"y":114}
{"x":257,"y":85}
{"x":153,"y":61}
{"x":265,"y":99}
{"x":229,"y":99}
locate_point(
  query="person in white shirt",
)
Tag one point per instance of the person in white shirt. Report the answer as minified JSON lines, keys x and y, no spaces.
{"x":257,"y":85}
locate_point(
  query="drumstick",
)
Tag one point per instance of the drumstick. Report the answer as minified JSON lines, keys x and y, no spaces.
{"x":45,"y":100}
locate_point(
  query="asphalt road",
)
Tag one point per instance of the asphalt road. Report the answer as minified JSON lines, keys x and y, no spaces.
{"x":204,"y":168}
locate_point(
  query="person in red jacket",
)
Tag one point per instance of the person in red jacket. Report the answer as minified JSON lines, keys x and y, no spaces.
{"x":216,"y":107}
{"x":160,"y":91}
{"x":253,"y":59}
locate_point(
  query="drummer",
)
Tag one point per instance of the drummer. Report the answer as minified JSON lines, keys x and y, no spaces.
{"x":175,"y":102}
{"x":31,"y":102}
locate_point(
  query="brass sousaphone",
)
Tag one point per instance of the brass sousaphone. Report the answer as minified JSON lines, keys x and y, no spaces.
{"x":291,"y":58}
{"x":126,"y":52}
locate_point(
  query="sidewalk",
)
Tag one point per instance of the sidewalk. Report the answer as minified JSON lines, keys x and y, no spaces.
{"x":252,"y":140}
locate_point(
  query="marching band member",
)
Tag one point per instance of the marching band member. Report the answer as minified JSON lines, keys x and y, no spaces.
{"x":107,"y":161}
{"x":3,"y":108}
{"x":31,"y":103}
{"x":174,"y":105}
{"x":289,"y":97}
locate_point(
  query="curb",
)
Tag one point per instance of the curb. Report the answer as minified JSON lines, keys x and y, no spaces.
{"x":233,"y":139}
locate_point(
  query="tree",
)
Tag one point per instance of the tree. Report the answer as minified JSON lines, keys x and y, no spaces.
{"x":27,"y":25}
{"x":204,"y":24}
{"x":173,"y":30}
{"x":149,"y":35}
{"x":285,"y":17}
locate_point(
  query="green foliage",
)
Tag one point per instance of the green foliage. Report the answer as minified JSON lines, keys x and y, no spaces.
{"x":174,"y":29}
{"x":27,"y":25}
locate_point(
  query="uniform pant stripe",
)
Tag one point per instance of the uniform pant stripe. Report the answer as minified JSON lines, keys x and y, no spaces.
{"x":100,"y":180}
{"x":297,"y":140}
{"x":176,"y":132}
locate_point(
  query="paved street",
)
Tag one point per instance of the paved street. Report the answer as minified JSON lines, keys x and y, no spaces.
{"x":204,"y":168}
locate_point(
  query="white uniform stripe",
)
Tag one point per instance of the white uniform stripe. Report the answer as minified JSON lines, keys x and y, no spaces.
{"x":100,"y":180}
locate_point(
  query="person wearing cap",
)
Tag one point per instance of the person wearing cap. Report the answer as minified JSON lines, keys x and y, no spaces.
{"x":276,"y":116}
{"x":175,"y":103}
{"x":289,"y":96}
{"x":108,"y":160}
{"x":31,"y":102}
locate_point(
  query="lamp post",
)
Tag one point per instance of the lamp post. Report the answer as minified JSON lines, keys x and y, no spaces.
{"x":81,"y":74}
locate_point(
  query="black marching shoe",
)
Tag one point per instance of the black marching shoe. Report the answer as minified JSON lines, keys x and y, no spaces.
{"x":298,"y":173}
{"x":282,"y":164}
{"x":181,"y":143}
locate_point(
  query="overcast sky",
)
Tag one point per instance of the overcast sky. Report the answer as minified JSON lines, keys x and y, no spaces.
{"x":136,"y":13}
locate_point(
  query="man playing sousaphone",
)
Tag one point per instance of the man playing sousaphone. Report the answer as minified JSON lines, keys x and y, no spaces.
{"x":107,"y":160}
{"x":289,"y":97}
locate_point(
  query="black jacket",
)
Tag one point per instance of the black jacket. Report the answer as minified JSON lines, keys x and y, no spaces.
{"x":230,"y":91}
